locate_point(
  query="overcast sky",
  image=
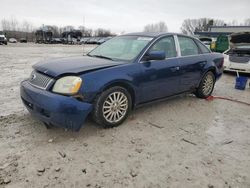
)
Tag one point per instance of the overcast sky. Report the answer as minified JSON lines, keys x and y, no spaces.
{"x":126,"y":15}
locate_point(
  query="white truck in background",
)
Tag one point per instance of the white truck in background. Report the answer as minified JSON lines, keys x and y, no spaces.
{"x":3,"y":39}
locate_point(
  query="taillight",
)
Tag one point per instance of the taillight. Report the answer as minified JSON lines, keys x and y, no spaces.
{"x":220,"y":63}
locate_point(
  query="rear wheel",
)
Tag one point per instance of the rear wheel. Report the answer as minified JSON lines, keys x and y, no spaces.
{"x":206,"y":86}
{"x":48,"y":126}
{"x":112,"y":107}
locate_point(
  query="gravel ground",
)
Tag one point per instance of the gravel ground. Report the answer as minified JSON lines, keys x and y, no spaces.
{"x":182,"y":142}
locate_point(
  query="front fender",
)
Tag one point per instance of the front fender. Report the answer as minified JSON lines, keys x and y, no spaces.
{"x":96,"y":82}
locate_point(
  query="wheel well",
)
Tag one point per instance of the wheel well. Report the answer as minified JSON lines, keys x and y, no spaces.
{"x":209,"y":70}
{"x":127,"y":87}
{"x":213,"y":71}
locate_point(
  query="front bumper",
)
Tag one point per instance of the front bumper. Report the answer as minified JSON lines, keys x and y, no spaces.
{"x":58,"y":110}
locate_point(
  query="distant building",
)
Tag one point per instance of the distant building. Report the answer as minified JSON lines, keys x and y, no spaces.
{"x":215,"y":31}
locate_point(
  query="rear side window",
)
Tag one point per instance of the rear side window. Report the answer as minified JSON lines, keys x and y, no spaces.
{"x":167,"y":45}
{"x":187,"y":46}
{"x":202,"y":47}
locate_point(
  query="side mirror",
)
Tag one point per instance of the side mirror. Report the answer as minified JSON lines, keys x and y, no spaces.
{"x":155,"y":55}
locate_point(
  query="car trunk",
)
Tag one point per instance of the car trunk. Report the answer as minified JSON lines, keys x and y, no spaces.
{"x":240,"y":48}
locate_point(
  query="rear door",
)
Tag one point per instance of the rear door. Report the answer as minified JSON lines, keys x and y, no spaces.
{"x":191,"y":62}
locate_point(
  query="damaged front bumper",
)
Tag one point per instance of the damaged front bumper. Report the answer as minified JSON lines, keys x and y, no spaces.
{"x":58,"y":110}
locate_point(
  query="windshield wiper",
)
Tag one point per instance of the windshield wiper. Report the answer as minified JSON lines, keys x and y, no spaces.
{"x":101,"y":56}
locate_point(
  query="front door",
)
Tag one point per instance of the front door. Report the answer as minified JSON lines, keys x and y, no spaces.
{"x":160,"y":78}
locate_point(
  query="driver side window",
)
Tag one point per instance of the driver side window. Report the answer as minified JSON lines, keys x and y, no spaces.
{"x":167,"y":45}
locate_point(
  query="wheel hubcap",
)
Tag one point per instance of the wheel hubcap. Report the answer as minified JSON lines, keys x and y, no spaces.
{"x":208,"y":85}
{"x":115,"y":107}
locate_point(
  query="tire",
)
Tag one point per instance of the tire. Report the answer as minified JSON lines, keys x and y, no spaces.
{"x":206,"y":86}
{"x":48,"y":126}
{"x":112,"y":107}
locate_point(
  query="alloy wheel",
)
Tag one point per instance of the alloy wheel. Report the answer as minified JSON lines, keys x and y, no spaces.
{"x":208,"y":84}
{"x":115,"y":107}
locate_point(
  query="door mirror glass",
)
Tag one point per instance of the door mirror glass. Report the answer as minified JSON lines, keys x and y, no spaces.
{"x":155,"y":55}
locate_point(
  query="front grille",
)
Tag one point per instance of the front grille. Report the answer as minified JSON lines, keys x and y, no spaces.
{"x":1,"y":39}
{"x":40,"y":80}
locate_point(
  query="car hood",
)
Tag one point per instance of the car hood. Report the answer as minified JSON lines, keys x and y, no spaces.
{"x":73,"y":65}
{"x":238,"y":39}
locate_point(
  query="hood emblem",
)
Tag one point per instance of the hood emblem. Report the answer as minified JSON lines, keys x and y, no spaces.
{"x":33,"y":76}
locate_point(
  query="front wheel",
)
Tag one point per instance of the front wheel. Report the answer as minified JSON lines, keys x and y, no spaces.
{"x":206,"y":86}
{"x":112,"y":107}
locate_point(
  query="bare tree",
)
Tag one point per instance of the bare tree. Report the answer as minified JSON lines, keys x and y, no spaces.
{"x":82,"y":29}
{"x":5,"y":24}
{"x":247,"y":22}
{"x":157,"y":27}
{"x":85,"y":31}
{"x":10,"y":24}
{"x":189,"y":26}
{"x":68,"y":28}
{"x":102,"y":32}
{"x":55,"y":30}
{"x":233,"y":23}
{"x":88,"y":33}
{"x":14,"y":28}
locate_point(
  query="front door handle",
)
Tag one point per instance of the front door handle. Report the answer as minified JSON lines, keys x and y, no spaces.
{"x":203,"y":63}
{"x":173,"y":69}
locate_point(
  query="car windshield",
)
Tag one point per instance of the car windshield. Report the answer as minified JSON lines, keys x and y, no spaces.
{"x":124,"y":48}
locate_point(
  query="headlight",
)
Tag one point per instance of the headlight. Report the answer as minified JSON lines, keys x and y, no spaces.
{"x":69,"y":85}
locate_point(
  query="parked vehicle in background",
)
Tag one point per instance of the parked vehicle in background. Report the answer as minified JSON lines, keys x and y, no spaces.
{"x":118,"y":75}
{"x":71,"y":37}
{"x":102,"y":40}
{"x":23,"y":40}
{"x":44,"y":36}
{"x":90,"y":41}
{"x":74,"y":41}
{"x":3,"y":39}
{"x":84,"y":40}
{"x":221,"y":44}
{"x":237,"y":58}
{"x":12,"y":40}
{"x":93,"y":40}
{"x":69,"y":40}
{"x":56,"y":41}
{"x":207,"y":41}
{"x":97,"y":39}
{"x":213,"y":46}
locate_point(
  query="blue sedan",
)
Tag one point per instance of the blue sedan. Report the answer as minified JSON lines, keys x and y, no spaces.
{"x":117,"y":76}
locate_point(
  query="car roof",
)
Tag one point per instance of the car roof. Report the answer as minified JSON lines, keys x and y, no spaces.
{"x":154,"y":34}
